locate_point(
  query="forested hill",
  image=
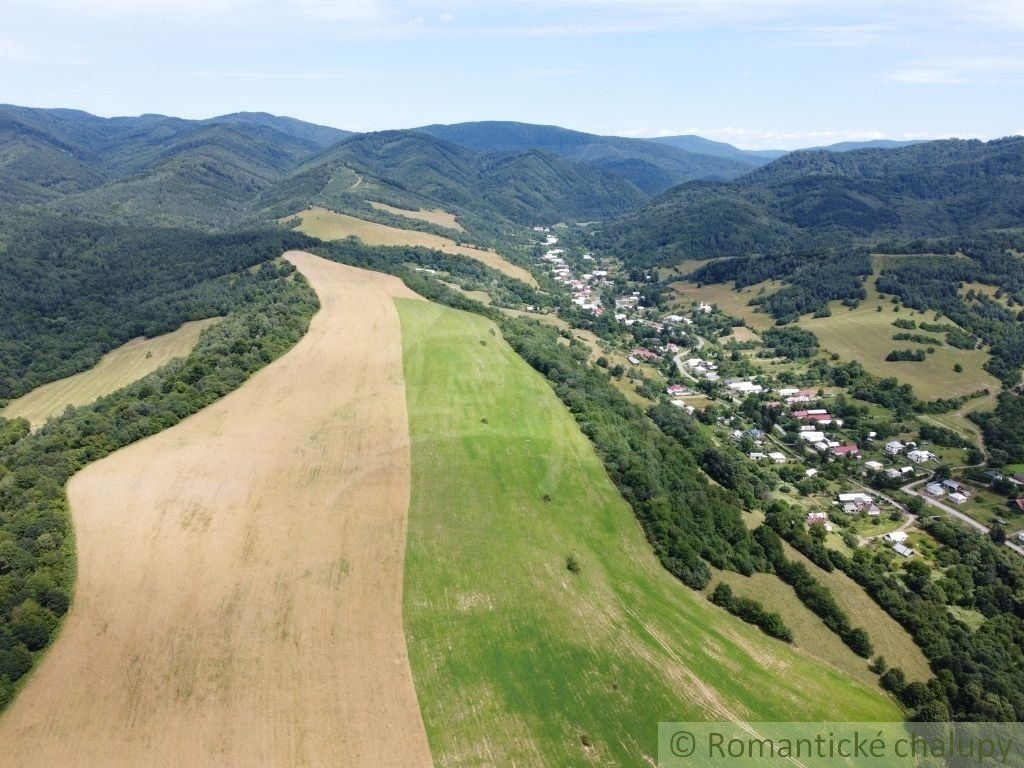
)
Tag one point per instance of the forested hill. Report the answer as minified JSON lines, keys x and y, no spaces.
{"x":653,"y":167}
{"x":812,"y":199}
{"x":411,"y":168}
{"x":238,"y":169}
{"x":150,"y":169}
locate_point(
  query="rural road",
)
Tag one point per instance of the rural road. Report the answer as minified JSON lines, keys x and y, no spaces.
{"x":954,"y":513}
{"x":239,"y":595}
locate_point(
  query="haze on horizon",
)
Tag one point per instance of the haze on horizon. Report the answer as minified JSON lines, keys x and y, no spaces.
{"x":756,"y":73}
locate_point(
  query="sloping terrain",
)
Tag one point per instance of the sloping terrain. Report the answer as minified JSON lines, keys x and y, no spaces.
{"x":815,"y":198}
{"x":239,"y":600}
{"x":517,"y":659}
{"x":119,"y":367}
{"x":651,"y":166}
{"x":411,"y":170}
{"x":328,"y":225}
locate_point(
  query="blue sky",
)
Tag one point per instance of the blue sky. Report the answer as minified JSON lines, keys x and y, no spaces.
{"x":756,"y":73}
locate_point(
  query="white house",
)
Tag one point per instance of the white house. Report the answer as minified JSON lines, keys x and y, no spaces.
{"x":874,"y":466}
{"x":894,"y":448}
{"x":957,"y":498}
{"x":856,"y":498}
{"x":747,"y":387}
{"x":811,"y":472}
{"x":778,"y":458}
{"x":896,"y":537}
{"x":816,"y":517}
{"x":936,"y":490}
{"x":812,"y":436}
{"x":920,"y":457}
{"x":757,"y":455}
{"x":903,"y":549}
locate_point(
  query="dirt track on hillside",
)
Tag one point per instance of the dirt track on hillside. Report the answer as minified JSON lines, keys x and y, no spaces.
{"x":239,"y":600}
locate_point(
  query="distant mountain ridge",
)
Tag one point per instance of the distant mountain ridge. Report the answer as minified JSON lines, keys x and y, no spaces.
{"x":700,"y":145}
{"x":411,"y":169}
{"x":217,"y":172}
{"x":651,"y":166}
{"x":813,"y":198}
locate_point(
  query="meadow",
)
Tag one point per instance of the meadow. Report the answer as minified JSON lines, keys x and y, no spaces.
{"x":119,"y":367}
{"x":328,"y":225}
{"x":865,"y":334}
{"x":730,"y":301}
{"x":541,"y":628}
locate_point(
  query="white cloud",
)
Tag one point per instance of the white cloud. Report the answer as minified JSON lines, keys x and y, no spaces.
{"x":961,"y":69}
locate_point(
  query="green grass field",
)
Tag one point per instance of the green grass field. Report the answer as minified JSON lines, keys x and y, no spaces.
{"x":118,"y":368}
{"x":865,"y":335}
{"x":730,"y":301}
{"x":518,"y":661}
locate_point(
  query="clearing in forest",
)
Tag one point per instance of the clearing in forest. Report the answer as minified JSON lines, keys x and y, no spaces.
{"x":518,"y":660}
{"x":866,"y":334}
{"x":727,"y":299}
{"x":328,"y":225}
{"x":239,"y":595}
{"x":435,"y":216}
{"x":118,"y":368}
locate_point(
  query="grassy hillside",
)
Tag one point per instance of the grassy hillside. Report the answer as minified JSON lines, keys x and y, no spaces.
{"x":866,"y":335}
{"x":519,"y":661}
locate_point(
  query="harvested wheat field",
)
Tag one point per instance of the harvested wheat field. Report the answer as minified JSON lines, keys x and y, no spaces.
{"x":435,"y":216}
{"x":239,"y":596}
{"x":328,"y":225}
{"x":118,"y":368}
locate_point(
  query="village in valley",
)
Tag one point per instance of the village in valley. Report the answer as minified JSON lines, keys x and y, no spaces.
{"x":862,"y":476}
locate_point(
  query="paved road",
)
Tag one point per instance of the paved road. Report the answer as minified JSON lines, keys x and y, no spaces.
{"x":955,"y":513}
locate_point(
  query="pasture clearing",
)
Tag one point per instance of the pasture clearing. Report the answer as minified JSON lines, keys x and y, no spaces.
{"x":810,"y":635}
{"x":434,"y":216}
{"x":888,"y":636}
{"x":239,"y":595}
{"x":865,"y":334}
{"x":741,"y":334}
{"x":118,"y":368}
{"x":328,"y":225}
{"x":730,"y":301}
{"x":518,"y":660}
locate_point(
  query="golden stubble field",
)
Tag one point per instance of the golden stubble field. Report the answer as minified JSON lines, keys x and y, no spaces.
{"x":118,"y":368}
{"x":432,"y":216}
{"x":328,"y":225}
{"x":239,"y":596}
